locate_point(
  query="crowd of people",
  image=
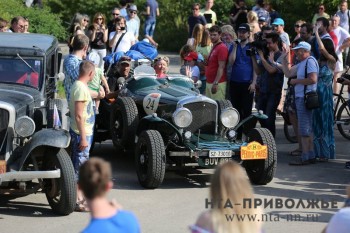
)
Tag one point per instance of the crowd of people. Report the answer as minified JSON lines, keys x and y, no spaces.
{"x":250,"y":60}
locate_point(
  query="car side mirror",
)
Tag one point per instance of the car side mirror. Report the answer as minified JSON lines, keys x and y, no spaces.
{"x":60,"y":76}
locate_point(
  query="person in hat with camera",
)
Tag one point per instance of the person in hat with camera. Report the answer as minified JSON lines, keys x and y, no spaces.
{"x":306,"y":72}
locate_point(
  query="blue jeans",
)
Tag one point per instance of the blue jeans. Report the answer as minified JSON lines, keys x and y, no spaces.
{"x":79,"y":157}
{"x":268,"y":102}
{"x":150,"y":26}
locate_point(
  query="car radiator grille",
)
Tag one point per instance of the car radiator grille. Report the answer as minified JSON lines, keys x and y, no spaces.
{"x":204,"y":117}
{"x":4,"y":121}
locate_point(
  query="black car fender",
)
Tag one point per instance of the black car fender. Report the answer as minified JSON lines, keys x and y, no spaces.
{"x":57,"y":138}
{"x":156,"y":123}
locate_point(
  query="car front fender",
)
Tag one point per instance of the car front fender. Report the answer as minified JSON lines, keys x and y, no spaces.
{"x":58,"y":138}
{"x":156,"y":123}
{"x":257,"y":115}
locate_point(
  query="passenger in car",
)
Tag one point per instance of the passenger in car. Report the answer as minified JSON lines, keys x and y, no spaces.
{"x":161,"y":65}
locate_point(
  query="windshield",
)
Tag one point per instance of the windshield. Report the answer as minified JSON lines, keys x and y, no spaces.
{"x":15,"y":70}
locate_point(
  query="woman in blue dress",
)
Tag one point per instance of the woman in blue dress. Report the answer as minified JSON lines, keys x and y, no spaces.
{"x":323,"y":121}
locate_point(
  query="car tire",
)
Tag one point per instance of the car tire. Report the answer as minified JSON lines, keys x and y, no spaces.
{"x":62,"y":108}
{"x":124,"y":120}
{"x":61,"y":193}
{"x":150,"y":159}
{"x":222,"y":104}
{"x":262,"y":171}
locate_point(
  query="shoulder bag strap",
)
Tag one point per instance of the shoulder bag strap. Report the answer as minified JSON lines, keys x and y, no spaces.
{"x":305,"y":75}
{"x":212,"y":50}
{"x":120,"y":38}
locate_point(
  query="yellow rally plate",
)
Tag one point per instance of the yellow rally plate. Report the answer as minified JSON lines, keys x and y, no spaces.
{"x":253,"y":150}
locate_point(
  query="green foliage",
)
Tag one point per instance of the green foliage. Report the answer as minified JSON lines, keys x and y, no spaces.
{"x":41,"y":20}
{"x":171,"y":30}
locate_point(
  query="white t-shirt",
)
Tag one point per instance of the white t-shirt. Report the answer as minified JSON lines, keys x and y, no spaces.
{"x":342,"y":35}
{"x":126,"y":42}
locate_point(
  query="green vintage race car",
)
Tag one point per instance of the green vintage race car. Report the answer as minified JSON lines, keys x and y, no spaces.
{"x":168,"y":124}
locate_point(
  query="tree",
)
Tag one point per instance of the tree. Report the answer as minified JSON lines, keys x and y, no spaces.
{"x":41,"y":20}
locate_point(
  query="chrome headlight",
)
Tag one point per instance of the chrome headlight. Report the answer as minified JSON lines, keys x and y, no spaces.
{"x":24,"y":126}
{"x":229,"y":117}
{"x":182,"y":117}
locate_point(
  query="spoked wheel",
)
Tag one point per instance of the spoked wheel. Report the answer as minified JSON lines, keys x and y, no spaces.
{"x":123,"y":123}
{"x":343,"y":120}
{"x":289,"y":132}
{"x":60,"y":192}
{"x":261,"y":171}
{"x":150,"y":159}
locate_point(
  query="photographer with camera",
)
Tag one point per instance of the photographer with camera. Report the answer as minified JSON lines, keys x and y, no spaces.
{"x":270,"y":73}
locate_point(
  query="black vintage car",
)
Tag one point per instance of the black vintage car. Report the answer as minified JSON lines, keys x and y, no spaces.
{"x":33,"y":125}
{"x":168,"y":124}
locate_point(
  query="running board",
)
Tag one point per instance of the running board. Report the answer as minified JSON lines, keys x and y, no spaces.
{"x":29,"y":175}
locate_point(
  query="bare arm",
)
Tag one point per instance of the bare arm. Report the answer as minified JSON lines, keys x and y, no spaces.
{"x":158,"y":13}
{"x":321,"y":47}
{"x":287,"y":70}
{"x":113,"y":41}
{"x":148,"y":10}
{"x":79,"y":119}
{"x":311,"y":79}
{"x":105,"y":84}
{"x":105,"y":34}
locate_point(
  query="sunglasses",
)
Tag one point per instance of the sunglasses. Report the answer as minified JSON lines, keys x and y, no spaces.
{"x":99,"y":18}
{"x":86,"y":20}
{"x":297,"y":26}
{"x":115,"y":14}
{"x":125,"y":59}
{"x":195,"y":9}
{"x":133,"y":12}
{"x":321,"y":8}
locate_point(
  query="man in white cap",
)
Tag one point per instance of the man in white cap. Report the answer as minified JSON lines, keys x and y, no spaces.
{"x":132,"y":23}
{"x":308,"y":66}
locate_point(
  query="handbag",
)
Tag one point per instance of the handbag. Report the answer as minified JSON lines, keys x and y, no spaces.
{"x":310,"y":98}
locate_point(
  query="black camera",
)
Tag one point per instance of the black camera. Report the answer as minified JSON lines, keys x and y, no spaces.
{"x":259,"y":44}
{"x":343,"y":77}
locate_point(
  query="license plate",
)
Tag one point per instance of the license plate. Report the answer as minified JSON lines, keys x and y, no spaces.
{"x":220,"y":153}
{"x":215,"y":161}
{"x":253,"y":150}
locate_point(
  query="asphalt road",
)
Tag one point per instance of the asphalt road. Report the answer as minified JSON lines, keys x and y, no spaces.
{"x":177,"y":203}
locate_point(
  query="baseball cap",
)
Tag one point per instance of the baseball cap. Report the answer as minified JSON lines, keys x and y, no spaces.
{"x":125,"y":60}
{"x":262,"y":19}
{"x":303,"y":45}
{"x":244,"y":27}
{"x":94,"y":58}
{"x":278,"y":21}
{"x":133,"y":8}
{"x":192,"y":56}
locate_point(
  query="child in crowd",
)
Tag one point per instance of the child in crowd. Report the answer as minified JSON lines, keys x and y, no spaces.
{"x":95,"y":84}
{"x":192,"y":70}
{"x":3,"y":25}
{"x":95,"y":182}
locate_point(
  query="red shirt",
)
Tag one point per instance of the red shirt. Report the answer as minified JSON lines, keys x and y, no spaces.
{"x":218,"y":53}
{"x":334,"y":38}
